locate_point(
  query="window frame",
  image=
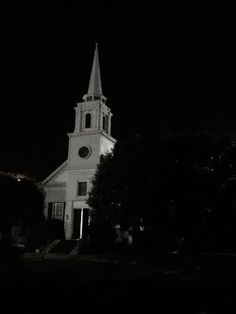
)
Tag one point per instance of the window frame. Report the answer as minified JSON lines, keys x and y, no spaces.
{"x":80,"y":188}
{"x":88,"y":120}
{"x":57,"y":208}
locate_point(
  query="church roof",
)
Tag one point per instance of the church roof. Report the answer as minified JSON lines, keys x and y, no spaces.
{"x":95,"y":84}
{"x":55,"y":174}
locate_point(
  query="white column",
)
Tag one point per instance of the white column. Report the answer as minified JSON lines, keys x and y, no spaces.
{"x":68,"y":224}
{"x":109,"y":124}
{"x":81,"y":223}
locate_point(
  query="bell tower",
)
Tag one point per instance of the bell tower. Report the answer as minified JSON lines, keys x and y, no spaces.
{"x":92,"y":113}
{"x":92,"y":134}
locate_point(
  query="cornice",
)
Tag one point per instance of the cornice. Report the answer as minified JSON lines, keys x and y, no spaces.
{"x":56,"y":186}
{"x":112,"y":139}
{"x":97,"y":132}
{"x":74,"y":169}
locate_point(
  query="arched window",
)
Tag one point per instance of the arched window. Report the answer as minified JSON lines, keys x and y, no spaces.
{"x":88,"y":120}
{"x":104,"y":122}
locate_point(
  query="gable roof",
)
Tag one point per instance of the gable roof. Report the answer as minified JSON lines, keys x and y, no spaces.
{"x":52,"y":178}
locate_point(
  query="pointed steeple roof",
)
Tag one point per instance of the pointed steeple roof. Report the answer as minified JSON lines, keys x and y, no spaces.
{"x":95,"y":84}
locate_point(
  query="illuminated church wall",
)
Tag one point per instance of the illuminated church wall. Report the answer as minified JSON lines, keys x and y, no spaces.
{"x":68,"y":186}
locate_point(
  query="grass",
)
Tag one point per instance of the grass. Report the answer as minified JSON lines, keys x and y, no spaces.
{"x":166,"y":284}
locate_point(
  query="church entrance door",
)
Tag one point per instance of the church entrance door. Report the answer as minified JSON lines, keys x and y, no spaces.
{"x":85,"y":222}
{"x":77,"y":223}
{"x":80,"y":226}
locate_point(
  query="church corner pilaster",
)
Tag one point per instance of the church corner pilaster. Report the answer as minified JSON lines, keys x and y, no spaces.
{"x":68,"y":220}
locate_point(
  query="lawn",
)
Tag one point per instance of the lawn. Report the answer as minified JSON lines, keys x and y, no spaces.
{"x":166,"y":284}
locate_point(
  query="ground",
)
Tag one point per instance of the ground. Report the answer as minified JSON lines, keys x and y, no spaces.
{"x":166,"y":284}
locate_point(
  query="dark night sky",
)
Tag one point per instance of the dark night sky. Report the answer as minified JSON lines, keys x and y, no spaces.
{"x":170,"y":66}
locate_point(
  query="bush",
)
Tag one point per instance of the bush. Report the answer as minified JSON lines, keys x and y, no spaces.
{"x":49,"y":230}
{"x":101,"y":237}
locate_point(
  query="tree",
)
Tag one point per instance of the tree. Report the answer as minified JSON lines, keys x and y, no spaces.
{"x":22,"y":205}
{"x":180,"y":182}
{"x":126,"y":188}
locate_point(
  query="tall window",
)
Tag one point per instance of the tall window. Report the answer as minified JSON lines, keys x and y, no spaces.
{"x":88,"y":120}
{"x":82,"y":189}
{"x":105,"y":122}
{"x":50,"y":210}
{"x":58,"y":210}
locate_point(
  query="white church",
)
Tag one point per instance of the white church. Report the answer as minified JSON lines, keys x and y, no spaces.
{"x":68,"y":186}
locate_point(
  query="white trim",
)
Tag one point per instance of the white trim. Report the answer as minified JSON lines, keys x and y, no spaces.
{"x":45,"y":181}
{"x":96,"y":132}
{"x":80,"y":204}
{"x":81,"y":222}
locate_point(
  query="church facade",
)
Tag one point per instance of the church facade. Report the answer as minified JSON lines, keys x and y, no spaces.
{"x":68,"y":186}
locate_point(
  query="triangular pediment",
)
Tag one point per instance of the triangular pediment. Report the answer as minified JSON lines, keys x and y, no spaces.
{"x":57,"y":177}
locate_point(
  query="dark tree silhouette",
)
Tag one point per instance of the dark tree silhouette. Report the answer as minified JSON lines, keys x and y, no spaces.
{"x":22,"y":205}
{"x":182,"y":183}
{"x":126,"y":187}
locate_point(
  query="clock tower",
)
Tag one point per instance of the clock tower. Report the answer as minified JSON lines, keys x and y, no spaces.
{"x":91,"y":139}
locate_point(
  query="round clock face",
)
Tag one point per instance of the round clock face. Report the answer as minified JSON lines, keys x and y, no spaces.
{"x":84,"y":152}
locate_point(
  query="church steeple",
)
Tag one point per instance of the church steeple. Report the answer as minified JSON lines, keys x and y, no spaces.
{"x":93,"y":114}
{"x":95,"y":84}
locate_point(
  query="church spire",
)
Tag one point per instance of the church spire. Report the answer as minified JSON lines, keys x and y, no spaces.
{"x":95,"y":85}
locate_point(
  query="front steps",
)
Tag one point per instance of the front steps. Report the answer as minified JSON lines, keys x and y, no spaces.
{"x":55,"y":249}
{"x":64,"y":247}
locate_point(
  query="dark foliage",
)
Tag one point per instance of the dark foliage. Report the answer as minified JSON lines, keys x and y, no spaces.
{"x":101,"y":237}
{"x":44,"y":232}
{"x":183,"y":184}
{"x":22,"y":205}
